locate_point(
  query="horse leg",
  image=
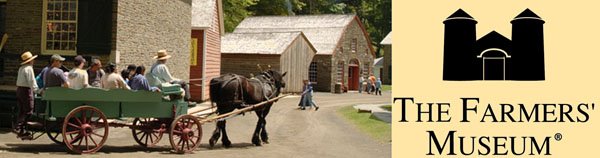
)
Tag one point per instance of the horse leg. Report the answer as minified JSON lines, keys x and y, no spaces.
{"x":216,"y":134}
{"x":225,"y":139}
{"x":257,"y":130}
{"x":263,"y":134}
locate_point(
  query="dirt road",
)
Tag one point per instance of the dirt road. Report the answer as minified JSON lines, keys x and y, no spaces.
{"x":292,"y":132}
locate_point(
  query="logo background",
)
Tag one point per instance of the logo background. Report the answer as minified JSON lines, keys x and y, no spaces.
{"x":572,"y":76}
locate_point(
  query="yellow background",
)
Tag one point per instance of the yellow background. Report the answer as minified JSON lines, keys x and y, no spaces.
{"x":571,"y":38}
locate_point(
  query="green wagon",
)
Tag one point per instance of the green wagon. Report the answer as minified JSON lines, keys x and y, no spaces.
{"x":80,"y":119}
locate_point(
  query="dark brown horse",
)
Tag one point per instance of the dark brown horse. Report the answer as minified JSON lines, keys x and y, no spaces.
{"x":231,"y":91}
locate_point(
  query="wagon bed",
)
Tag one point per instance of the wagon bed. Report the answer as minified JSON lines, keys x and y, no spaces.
{"x":114,"y":103}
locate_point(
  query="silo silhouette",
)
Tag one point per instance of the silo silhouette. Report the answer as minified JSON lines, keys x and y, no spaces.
{"x":528,"y":47}
{"x":460,"y":59}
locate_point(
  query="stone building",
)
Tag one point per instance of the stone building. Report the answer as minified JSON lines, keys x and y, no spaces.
{"x":205,"y":59}
{"x":289,"y":52}
{"x":344,"y":50}
{"x":120,"y":31}
{"x":386,"y":77}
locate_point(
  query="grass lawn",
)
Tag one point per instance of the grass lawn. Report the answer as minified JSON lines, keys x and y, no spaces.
{"x":369,"y":124}
{"x":387,"y":107}
{"x":386,"y":88}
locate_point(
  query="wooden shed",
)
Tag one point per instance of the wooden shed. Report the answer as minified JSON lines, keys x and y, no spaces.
{"x":289,"y":52}
{"x":205,"y":56}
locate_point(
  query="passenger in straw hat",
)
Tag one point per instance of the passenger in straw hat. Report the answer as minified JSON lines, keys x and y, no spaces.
{"x":26,"y":85}
{"x":161,"y":74}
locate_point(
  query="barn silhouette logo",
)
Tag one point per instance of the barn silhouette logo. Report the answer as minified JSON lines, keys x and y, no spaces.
{"x":493,"y":56}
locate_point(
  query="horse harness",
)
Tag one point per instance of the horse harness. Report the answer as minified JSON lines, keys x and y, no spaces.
{"x":265,"y":76}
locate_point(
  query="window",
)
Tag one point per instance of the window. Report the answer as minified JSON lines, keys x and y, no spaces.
{"x":59,"y":33}
{"x":353,"y":45}
{"x":365,"y":69}
{"x":312,"y":72}
{"x":340,"y":72}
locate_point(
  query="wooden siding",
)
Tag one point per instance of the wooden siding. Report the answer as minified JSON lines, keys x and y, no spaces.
{"x":212,"y":55}
{"x":245,"y":64}
{"x":296,"y":62}
{"x":213,"y":51}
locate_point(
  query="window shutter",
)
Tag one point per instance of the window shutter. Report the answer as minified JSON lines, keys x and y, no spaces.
{"x":94,"y":33}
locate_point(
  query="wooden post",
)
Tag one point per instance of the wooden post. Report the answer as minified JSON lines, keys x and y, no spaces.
{"x":201,"y":110}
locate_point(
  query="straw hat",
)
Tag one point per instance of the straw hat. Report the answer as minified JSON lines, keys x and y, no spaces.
{"x":27,"y":57}
{"x":162,"y":55}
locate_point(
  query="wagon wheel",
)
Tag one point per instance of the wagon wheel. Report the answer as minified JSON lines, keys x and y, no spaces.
{"x":185,"y":133}
{"x":89,"y":125}
{"x":53,"y":130}
{"x":147,"y":129}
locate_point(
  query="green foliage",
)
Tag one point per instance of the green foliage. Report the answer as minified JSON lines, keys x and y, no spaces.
{"x":386,"y":88}
{"x":276,"y":7}
{"x":322,"y":7}
{"x":387,"y":107}
{"x":235,"y":11}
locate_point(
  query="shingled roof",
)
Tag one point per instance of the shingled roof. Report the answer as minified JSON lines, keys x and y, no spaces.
{"x":203,"y":13}
{"x":387,"y":40}
{"x":258,"y":43}
{"x":323,"y":31}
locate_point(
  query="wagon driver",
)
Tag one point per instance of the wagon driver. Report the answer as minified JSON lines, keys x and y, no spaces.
{"x":161,"y":72}
{"x":26,"y":85}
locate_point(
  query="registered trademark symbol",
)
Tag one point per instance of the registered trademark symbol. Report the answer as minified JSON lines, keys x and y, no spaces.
{"x":558,"y":136}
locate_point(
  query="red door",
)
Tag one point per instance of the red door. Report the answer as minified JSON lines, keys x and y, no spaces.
{"x":353,"y":77}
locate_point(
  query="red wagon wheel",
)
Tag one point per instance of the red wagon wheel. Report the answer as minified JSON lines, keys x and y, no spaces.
{"x":53,"y":130}
{"x":88,"y":125}
{"x":185,"y":133}
{"x":147,"y":131}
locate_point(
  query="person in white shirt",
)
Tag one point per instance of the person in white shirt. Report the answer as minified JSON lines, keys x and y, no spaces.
{"x":26,"y":85}
{"x":161,"y":72}
{"x":112,"y":79}
{"x":78,"y":77}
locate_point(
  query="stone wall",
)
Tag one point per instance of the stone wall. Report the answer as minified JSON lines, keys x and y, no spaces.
{"x":363,"y":53}
{"x":23,"y":26}
{"x":144,"y":27}
{"x":324,"y":74}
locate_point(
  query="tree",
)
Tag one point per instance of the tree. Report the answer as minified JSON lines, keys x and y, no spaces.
{"x":378,"y":21}
{"x":313,"y":7}
{"x":235,"y":11}
{"x":276,"y":7}
{"x":376,"y":15}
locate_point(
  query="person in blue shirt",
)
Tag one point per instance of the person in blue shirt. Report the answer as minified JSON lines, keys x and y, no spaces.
{"x":378,"y":86}
{"x":139,"y":82}
{"x":307,"y":96}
